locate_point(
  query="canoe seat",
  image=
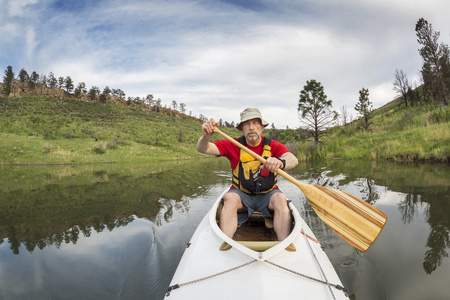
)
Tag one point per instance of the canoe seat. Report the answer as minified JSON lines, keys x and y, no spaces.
{"x":259,"y":246}
{"x":263,"y":246}
{"x":256,"y":234}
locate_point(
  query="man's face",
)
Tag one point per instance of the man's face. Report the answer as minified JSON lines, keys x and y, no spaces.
{"x":252,"y":130}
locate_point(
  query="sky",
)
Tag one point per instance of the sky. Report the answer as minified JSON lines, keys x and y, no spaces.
{"x":221,"y":56}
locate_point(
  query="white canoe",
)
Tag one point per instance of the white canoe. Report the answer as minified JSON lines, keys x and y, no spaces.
{"x":205,"y":272}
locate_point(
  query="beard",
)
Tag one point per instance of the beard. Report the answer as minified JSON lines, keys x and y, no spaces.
{"x":252,"y":136}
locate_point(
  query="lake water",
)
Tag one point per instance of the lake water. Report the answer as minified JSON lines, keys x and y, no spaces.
{"x":118,"y":231}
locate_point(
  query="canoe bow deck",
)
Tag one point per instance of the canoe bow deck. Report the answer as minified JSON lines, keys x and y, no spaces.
{"x":205,"y":272}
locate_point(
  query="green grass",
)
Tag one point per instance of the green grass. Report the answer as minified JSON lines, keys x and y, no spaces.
{"x":419,"y":133}
{"x":40,"y":130}
{"x":36,"y":150}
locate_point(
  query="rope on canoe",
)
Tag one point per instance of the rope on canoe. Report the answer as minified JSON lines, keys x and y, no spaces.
{"x":337,"y":286}
{"x":323,"y":273}
{"x":176,"y":286}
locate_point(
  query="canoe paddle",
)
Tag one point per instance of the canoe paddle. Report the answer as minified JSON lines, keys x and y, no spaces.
{"x":355,"y":221}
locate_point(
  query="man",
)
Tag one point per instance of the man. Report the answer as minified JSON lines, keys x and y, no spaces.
{"x":254,"y":185}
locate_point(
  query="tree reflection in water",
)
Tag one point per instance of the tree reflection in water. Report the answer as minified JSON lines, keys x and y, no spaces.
{"x":437,"y":212}
{"x":63,"y":203}
{"x":421,"y":186}
{"x":147,"y":213}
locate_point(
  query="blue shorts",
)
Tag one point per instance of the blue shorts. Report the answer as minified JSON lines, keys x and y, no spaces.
{"x":254,"y":203}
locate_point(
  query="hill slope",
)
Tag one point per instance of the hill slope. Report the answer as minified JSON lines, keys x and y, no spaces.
{"x":419,"y":133}
{"x":45,"y":130}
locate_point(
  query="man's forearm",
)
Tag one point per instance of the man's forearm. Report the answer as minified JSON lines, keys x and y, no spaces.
{"x":291,"y":160}
{"x":202,"y":145}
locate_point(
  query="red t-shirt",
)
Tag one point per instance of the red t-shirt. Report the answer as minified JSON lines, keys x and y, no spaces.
{"x":232,"y":152}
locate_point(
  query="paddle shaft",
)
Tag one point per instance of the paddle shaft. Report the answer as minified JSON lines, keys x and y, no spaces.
{"x":260,"y":158}
{"x":354,"y":220}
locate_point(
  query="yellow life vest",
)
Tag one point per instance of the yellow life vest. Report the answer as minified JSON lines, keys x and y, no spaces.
{"x":247,"y":175}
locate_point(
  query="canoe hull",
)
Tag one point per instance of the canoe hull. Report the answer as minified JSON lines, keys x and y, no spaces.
{"x":205,"y":272}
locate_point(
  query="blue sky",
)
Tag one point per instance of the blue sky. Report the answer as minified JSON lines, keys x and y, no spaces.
{"x":220,"y":56}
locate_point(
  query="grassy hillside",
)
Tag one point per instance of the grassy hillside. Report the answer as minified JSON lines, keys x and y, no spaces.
{"x":39,"y":130}
{"x":419,"y":133}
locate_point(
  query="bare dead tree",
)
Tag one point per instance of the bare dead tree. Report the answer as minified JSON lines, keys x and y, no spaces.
{"x":344,"y":115}
{"x":401,"y":85}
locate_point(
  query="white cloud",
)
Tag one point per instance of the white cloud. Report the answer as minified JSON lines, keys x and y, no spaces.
{"x":218,"y":57}
{"x":30,"y":42}
{"x":16,"y":8}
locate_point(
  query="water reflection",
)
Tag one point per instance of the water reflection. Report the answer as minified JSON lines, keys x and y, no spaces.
{"x":43,"y":206}
{"x":118,"y":231}
{"x":421,"y":187}
{"x":438,"y":241}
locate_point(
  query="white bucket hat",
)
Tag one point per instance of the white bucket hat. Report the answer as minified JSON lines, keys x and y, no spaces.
{"x":249,"y":114}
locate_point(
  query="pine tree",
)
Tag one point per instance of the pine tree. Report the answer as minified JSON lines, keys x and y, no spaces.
{"x":435,"y":57}
{"x":7,"y":80}
{"x":23,"y":76}
{"x":68,"y":84}
{"x":364,"y":107}
{"x":315,"y":109}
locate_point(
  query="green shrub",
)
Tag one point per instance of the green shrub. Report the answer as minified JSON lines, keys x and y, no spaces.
{"x":99,"y":149}
{"x":439,"y":115}
{"x":113,"y":144}
{"x":47,"y":148}
{"x":315,"y":152}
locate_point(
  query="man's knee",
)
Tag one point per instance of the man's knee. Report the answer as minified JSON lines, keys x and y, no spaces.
{"x":232,"y":201}
{"x":278,"y":201}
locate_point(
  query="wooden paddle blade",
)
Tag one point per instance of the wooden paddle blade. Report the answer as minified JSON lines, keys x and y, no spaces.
{"x":355,"y":221}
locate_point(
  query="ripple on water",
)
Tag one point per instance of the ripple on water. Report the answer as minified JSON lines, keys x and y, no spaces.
{"x":349,"y":263}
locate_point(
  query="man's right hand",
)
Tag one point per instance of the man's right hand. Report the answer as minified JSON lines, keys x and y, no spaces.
{"x":208,"y":128}
{"x":203,"y":144}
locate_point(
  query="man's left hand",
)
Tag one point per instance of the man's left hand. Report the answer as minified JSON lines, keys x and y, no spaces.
{"x":272,"y":164}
